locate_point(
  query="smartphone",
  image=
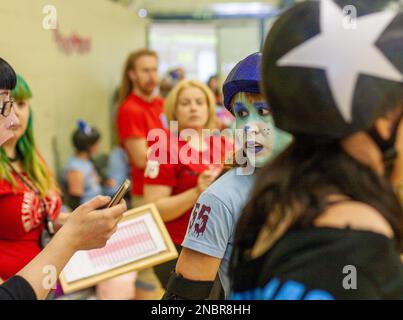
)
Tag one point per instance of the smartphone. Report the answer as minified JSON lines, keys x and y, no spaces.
{"x":118,"y":196}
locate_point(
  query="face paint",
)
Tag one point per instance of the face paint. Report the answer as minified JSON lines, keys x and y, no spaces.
{"x":262,"y":141}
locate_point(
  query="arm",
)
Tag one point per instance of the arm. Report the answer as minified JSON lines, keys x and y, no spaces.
{"x":193,"y":278}
{"x":204,"y":248}
{"x":195,"y":265}
{"x":75,"y":187}
{"x":137,"y":151}
{"x":56,"y":254}
{"x":86,"y":229}
{"x":75,"y":183}
{"x":62,"y":219}
{"x":170,"y":207}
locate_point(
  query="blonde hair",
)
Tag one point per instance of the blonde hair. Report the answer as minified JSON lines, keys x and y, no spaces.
{"x":126,"y":85}
{"x":172,"y":98}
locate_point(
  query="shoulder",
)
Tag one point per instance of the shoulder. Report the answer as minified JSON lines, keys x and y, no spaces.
{"x":158,"y":101}
{"x":74,"y":163}
{"x":73,"y":160}
{"x":230,"y":189}
{"x":5,"y":187}
{"x":129,"y":106}
{"x":118,"y":153}
{"x":355,"y":215}
{"x":231,"y":182}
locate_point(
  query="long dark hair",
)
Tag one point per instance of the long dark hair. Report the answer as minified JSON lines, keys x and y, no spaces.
{"x":8,"y":78}
{"x":295,"y":187}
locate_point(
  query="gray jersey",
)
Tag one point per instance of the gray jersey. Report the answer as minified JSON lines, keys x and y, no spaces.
{"x":214,"y":217}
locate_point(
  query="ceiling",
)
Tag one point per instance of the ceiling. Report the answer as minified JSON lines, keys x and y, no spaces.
{"x":177,"y":7}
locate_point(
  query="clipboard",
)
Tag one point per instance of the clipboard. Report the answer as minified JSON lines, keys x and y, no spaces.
{"x":141,"y":241}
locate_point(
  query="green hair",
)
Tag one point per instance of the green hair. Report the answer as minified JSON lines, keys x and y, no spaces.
{"x":32,"y":163}
{"x":21,"y":92}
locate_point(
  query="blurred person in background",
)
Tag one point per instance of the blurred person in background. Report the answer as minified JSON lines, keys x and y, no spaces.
{"x":170,"y":80}
{"x":80,"y":177}
{"x":118,"y":170}
{"x":214,"y":84}
{"x":83,"y":183}
{"x":175,"y":186}
{"x":139,"y":112}
{"x":224,"y":118}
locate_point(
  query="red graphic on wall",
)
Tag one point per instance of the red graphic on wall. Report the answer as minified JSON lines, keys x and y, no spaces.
{"x":72,"y":43}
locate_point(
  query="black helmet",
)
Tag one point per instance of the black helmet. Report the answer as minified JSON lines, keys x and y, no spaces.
{"x":327,"y":74}
{"x":85,"y":136}
{"x":8,"y":78}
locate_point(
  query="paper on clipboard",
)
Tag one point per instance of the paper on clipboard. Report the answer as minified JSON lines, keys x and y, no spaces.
{"x":134,"y":239}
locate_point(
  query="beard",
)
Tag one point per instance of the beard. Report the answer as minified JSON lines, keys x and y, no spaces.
{"x":146,"y":89}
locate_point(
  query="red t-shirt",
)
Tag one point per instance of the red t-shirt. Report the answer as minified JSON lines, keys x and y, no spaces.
{"x":135,"y":118}
{"x":21,"y":225}
{"x":183,"y":175}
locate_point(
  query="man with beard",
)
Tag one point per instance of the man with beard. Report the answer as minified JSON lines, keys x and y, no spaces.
{"x":139,"y":112}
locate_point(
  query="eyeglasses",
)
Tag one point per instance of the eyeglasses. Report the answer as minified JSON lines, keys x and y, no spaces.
{"x":6,"y":107}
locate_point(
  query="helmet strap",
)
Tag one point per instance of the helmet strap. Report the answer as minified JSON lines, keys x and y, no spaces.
{"x":386,"y":146}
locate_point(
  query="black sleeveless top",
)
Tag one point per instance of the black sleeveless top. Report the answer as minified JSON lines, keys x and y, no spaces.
{"x":321,"y":263}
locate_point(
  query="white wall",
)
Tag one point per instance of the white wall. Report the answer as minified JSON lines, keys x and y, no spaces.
{"x":237,"y":39}
{"x":68,"y":87}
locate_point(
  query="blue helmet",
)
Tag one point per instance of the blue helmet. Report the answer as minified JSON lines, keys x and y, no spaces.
{"x":244,"y":77}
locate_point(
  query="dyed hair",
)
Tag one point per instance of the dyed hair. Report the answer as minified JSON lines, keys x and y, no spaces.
{"x":33,"y":164}
{"x":7,"y":76}
{"x":126,"y":85}
{"x":250,"y":97}
{"x":171,"y":101}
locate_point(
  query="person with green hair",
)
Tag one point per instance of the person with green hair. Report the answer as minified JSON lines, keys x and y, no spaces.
{"x":88,"y":227}
{"x":30,"y":200}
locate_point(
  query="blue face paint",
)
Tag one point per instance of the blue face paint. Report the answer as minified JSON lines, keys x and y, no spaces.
{"x":241,"y":110}
{"x":261,"y":105}
{"x":262,"y":140}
